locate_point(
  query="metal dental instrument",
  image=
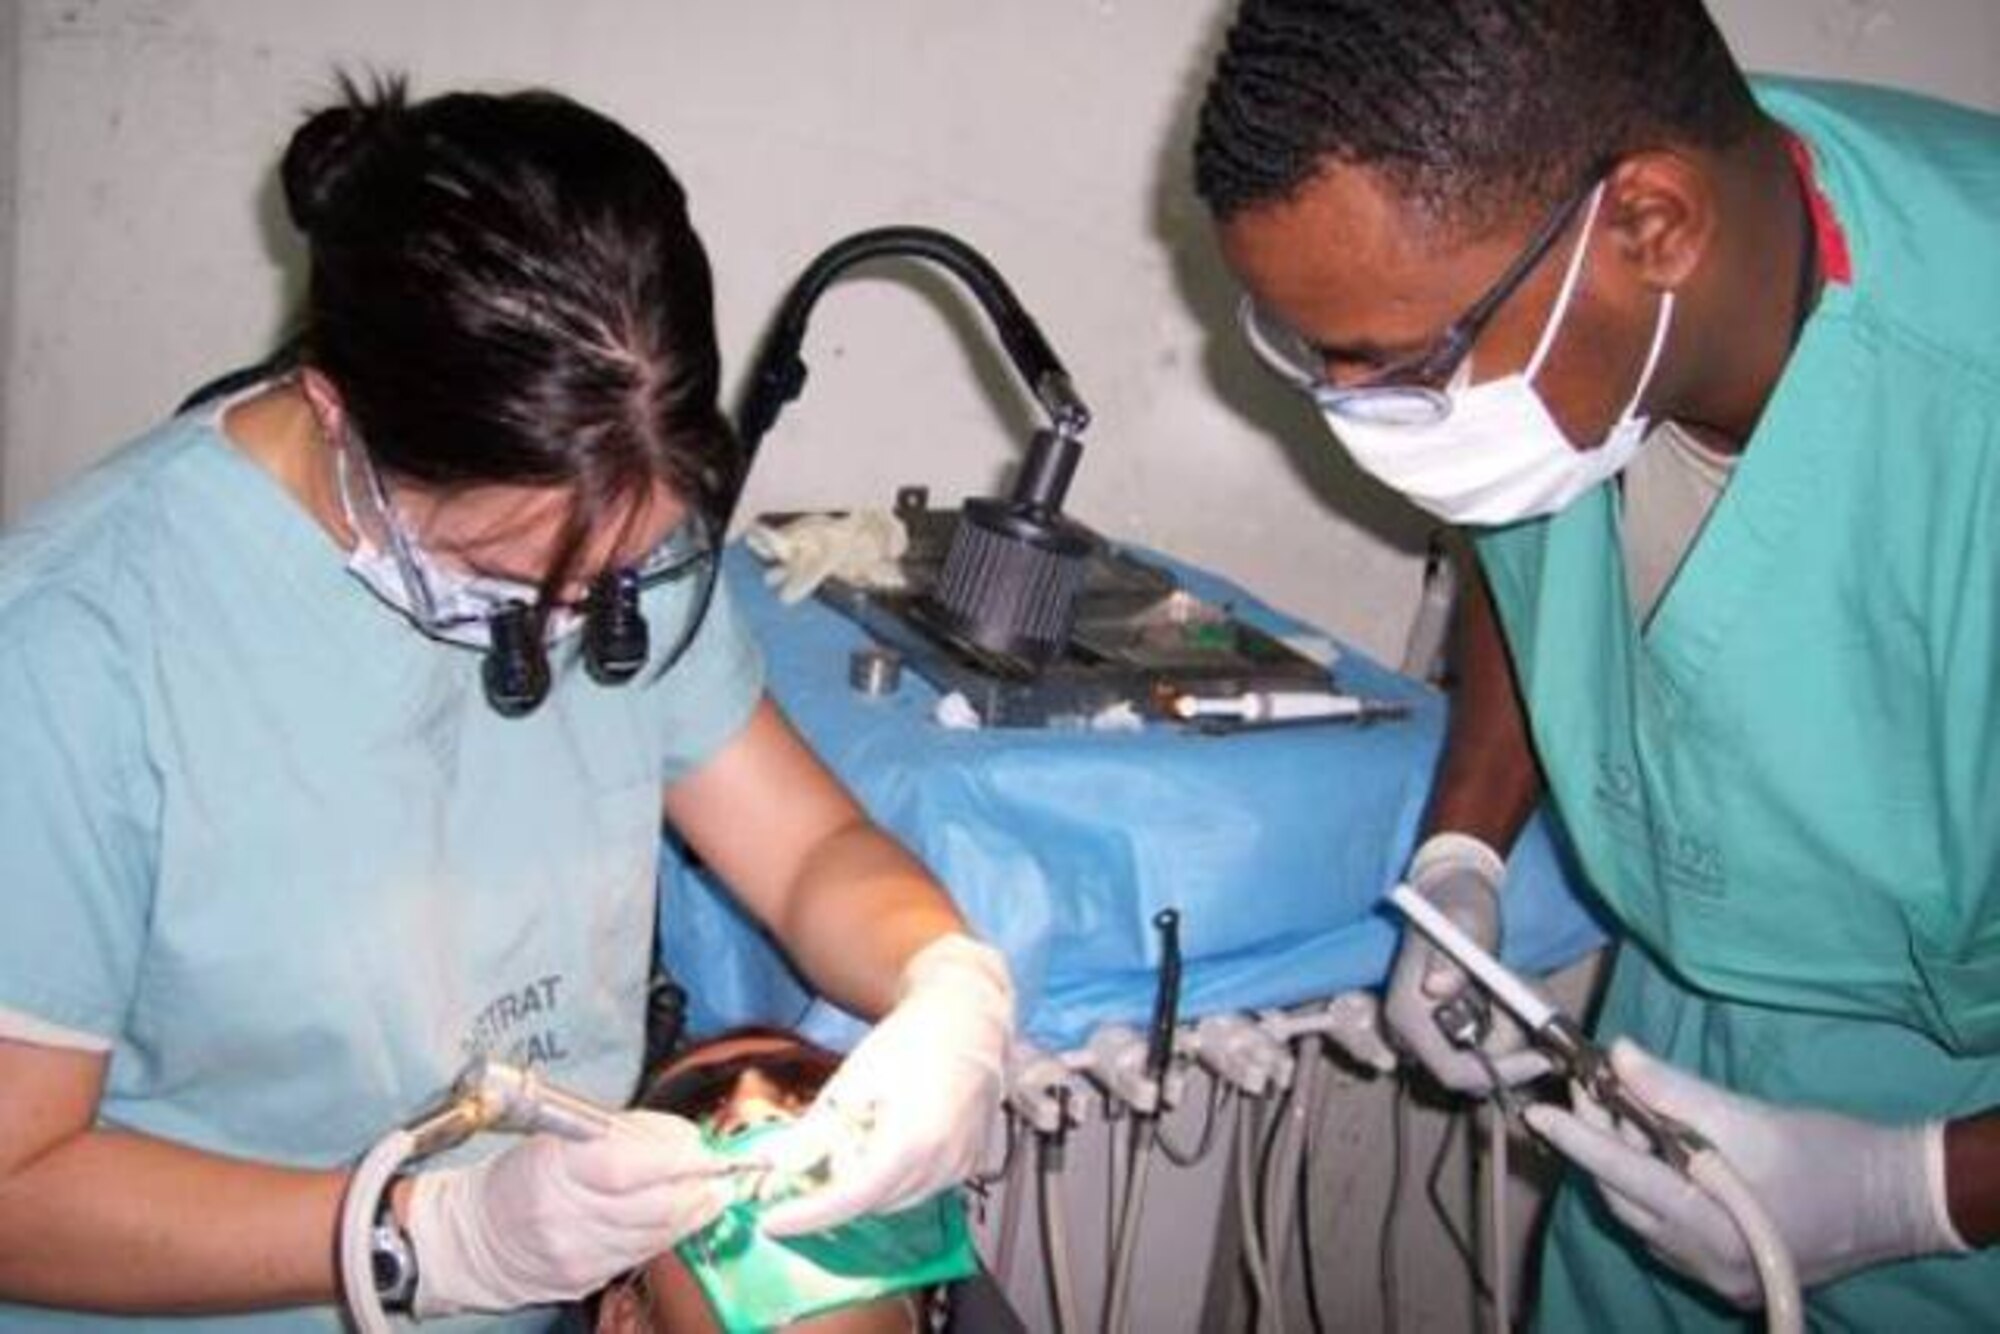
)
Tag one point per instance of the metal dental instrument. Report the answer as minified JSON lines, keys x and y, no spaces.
{"x":492,"y":1095}
{"x":1556,"y":1035}
{"x":520,"y":1100}
{"x":1551,"y":1031}
{"x":1266,"y":710}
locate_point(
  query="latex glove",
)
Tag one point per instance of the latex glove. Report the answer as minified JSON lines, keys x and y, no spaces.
{"x":1844,"y":1193}
{"x":552,"y":1219}
{"x":862,"y":548}
{"x":1461,"y":876}
{"x":906,"y":1114}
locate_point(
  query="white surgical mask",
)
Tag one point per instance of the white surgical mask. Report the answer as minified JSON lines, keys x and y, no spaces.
{"x":1500,"y":456}
{"x":454,"y":606}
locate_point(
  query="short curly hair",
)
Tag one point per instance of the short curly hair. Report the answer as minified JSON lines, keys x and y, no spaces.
{"x":1477,"y":111}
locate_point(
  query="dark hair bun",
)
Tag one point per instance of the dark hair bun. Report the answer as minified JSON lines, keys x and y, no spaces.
{"x":330,"y":152}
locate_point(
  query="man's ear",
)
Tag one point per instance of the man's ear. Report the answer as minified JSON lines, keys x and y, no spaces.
{"x":1661,"y":213}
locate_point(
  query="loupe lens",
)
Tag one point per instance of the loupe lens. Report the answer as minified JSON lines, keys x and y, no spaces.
{"x":516,"y":669}
{"x":615,"y":639}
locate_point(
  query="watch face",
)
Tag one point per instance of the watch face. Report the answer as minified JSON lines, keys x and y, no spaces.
{"x":394,"y":1267}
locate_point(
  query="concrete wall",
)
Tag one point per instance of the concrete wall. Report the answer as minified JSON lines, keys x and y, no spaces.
{"x":1950,"y":48}
{"x":1046,"y":132}
{"x":148,"y":250}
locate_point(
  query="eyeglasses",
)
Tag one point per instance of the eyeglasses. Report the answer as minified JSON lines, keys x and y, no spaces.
{"x":1411,"y":391}
{"x":461,"y":607}
{"x":618,"y":615}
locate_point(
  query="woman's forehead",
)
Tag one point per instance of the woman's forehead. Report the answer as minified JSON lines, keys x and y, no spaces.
{"x":516,"y":529}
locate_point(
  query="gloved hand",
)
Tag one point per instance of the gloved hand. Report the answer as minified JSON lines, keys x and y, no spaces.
{"x":864,"y":548}
{"x":1461,"y":876}
{"x":552,"y":1219}
{"x":1844,"y":1193}
{"x":906,"y":1114}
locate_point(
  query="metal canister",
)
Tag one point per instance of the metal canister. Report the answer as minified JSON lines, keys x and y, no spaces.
{"x":875,"y":671}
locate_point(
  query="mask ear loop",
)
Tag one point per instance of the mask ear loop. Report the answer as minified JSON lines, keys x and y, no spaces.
{"x":1661,"y":325}
{"x":1570,"y":276}
{"x":384,"y":515}
{"x":343,"y":476}
{"x":399,"y":542}
{"x":341,"y":487}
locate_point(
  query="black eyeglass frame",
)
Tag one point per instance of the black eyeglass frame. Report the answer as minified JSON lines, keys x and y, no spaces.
{"x":690,"y":547}
{"x":1420,"y":379}
{"x":704,"y":562}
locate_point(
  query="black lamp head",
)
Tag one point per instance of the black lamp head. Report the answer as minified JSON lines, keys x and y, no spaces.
{"x":1014,"y":568}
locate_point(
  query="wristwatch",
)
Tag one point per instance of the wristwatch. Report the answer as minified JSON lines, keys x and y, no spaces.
{"x":391,"y":1257}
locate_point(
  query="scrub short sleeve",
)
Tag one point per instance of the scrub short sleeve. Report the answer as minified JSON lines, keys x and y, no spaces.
{"x":78,"y":818}
{"x":708,"y":696}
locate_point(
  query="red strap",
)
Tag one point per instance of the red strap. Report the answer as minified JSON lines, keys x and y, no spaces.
{"x":1836,"y":264}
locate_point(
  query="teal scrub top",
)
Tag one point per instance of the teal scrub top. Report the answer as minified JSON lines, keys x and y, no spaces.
{"x":1786,"y":787}
{"x":273,"y":844}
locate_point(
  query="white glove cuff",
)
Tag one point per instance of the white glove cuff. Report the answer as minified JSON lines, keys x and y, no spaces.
{"x":959,"y":961}
{"x":430,"y":1228}
{"x":957,"y":954}
{"x":450,"y":1256}
{"x":1450,"y":851}
{"x":1938,"y":1192}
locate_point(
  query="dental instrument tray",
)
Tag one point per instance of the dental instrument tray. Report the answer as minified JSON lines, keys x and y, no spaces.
{"x":1008,"y":601}
{"x":1138,"y":638}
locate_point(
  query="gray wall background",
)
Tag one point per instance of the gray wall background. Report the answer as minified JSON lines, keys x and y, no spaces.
{"x":145,"y":248}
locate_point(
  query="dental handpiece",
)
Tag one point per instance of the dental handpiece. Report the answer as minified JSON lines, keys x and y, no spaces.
{"x":1552,"y":1032}
{"x":492,"y":1095}
{"x":523,"y":1101}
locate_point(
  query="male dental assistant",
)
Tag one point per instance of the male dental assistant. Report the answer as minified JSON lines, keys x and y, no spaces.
{"x":1711,"y":378}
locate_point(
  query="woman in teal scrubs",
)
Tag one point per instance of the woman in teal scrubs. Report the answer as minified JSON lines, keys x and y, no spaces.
{"x":340,"y":715}
{"x":1711,"y":378}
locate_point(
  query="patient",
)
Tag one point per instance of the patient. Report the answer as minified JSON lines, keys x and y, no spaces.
{"x":730,"y":1084}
